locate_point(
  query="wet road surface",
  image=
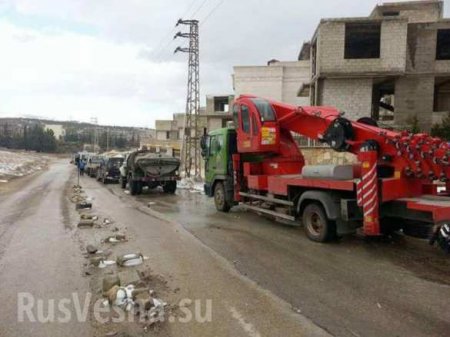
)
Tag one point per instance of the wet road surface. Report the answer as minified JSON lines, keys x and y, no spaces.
{"x":42,"y":255}
{"x":350,"y":288}
{"x":38,"y":255}
{"x":264,"y":278}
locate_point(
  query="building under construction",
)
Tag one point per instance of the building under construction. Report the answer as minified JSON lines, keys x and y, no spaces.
{"x":393,"y":65}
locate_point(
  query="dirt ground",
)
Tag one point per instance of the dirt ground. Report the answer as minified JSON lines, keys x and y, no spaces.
{"x":262,"y":278}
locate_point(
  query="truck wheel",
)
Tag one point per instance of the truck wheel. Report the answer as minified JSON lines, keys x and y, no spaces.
{"x":219,"y":198}
{"x":133,"y":186}
{"x":317,"y":226}
{"x":170,"y":187}
{"x":123,"y":182}
{"x":139,"y":187}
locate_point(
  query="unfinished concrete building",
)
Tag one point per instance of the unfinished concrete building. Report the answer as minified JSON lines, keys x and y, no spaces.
{"x":218,"y":111}
{"x":393,"y":65}
{"x":277,"y":80}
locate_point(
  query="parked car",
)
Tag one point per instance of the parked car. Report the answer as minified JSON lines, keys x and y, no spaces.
{"x":109,"y":169}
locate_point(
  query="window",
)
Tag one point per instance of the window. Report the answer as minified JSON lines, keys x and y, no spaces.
{"x":216,"y":144}
{"x":245,"y":116}
{"x":391,"y":13}
{"x":211,"y":144}
{"x":255,"y":125}
{"x":362,"y":40}
{"x":236,"y":115}
{"x":265,"y":109}
{"x":220,"y":141}
{"x":443,"y":44}
{"x":221,"y":104}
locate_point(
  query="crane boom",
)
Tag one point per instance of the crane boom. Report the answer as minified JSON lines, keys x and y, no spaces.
{"x":412,"y":155}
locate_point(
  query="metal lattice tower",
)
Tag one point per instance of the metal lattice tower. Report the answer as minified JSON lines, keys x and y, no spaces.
{"x":192,"y":133}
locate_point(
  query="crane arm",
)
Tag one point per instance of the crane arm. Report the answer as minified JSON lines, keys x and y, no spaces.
{"x":414,"y":155}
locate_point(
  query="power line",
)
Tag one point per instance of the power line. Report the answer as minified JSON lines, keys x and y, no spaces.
{"x":200,"y":7}
{"x":211,"y":12}
{"x":161,"y":47}
{"x":202,"y":22}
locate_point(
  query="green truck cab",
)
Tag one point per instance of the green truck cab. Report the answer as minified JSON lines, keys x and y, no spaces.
{"x":218,"y":148}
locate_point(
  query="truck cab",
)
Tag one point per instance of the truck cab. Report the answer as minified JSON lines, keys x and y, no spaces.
{"x":218,"y":148}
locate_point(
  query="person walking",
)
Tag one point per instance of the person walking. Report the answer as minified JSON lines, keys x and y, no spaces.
{"x":81,"y":166}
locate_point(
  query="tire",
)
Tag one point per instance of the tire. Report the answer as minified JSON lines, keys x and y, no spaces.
{"x":123,"y":182}
{"x":220,"y":201}
{"x":133,"y":186}
{"x":139,"y":187}
{"x":170,"y":187}
{"x":317,"y":225}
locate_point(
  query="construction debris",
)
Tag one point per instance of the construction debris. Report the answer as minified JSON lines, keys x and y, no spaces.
{"x":91,"y":249}
{"x":106,"y":263}
{"x":83,"y":205}
{"x":116,"y":238}
{"x":129,"y":260}
{"x":110,"y":281}
{"x":99,"y":261}
{"x":85,"y":224}
{"x":85,"y":216}
{"x":129,"y":298}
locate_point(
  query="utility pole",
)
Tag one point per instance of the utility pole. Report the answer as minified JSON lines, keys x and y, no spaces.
{"x":190,"y":151}
{"x":107,"y":139}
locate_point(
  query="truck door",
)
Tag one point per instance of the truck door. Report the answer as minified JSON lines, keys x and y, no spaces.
{"x":218,"y":162}
{"x":216,"y":157}
{"x":244,"y":129}
{"x":257,"y":129}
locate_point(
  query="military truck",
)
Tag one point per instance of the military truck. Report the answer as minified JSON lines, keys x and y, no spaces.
{"x":145,"y":168}
{"x":93,"y":164}
{"x":108,"y":170}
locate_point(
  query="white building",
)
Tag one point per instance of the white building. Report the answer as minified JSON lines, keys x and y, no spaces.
{"x":278,"y":80}
{"x":58,"y":130}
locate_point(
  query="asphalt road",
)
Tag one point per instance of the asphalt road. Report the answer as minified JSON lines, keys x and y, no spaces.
{"x":38,"y":255}
{"x":350,"y":288}
{"x":42,"y":255}
{"x":264,"y":278}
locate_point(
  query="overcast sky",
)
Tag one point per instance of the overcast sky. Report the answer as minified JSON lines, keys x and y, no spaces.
{"x":113,"y":59}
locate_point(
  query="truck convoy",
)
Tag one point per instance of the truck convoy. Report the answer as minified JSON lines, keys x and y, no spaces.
{"x":401,"y":181}
{"x":145,"y":168}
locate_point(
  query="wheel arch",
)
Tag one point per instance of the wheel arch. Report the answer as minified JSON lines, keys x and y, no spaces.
{"x":216,"y":179}
{"x":325,"y":199}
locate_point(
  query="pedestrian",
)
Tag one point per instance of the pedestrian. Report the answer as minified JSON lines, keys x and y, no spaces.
{"x":81,"y":166}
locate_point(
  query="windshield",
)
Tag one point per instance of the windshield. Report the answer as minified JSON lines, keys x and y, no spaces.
{"x":96,"y":159}
{"x":265,"y":109}
{"x":115,"y":162}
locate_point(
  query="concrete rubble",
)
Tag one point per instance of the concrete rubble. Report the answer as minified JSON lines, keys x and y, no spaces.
{"x":85,"y":223}
{"x":91,"y":249}
{"x":130,"y":260}
{"x":120,"y":289}
{"x":130,"y":297}
{"x":115,"y":238}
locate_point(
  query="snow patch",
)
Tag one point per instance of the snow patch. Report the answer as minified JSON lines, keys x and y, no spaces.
{"x":20,"y":163}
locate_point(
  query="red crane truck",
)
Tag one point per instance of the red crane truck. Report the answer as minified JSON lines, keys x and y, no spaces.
{"x":401,"y":181}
